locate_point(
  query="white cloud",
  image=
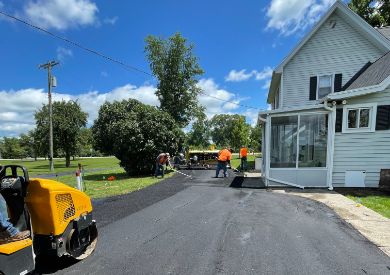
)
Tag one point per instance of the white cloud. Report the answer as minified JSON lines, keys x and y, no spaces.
{"x":110,"y":21}
{"x":61,"y":14}
{"x":266,"y":73}
{"x":288,"y":17}
{"x":266,"y":85}
{"x":18,"y":107}
{"x":215,"y":100}
{"x":62,"y":53}
{"x":236,"y":76}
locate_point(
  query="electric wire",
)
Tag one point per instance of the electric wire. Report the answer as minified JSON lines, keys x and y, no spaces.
{"x":106,"y":57}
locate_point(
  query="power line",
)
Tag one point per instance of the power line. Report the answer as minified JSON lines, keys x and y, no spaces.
{"x":128,"y":67}
{"x":111,"y":59}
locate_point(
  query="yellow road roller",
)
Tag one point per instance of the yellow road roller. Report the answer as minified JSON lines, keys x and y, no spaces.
{"x":58,"y":216}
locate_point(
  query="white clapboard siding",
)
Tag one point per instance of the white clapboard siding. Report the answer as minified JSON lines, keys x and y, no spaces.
{"x":369,"y":152}
{"x":341,"y":49}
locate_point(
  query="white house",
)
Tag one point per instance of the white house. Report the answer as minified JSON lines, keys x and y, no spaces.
{"x":330,"y":120}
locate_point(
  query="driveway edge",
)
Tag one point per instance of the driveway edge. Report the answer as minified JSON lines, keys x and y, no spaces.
{"x":369,"y":223}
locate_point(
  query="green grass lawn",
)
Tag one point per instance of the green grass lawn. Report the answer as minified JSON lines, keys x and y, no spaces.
{"x":40,"y":167}
{"x":98,"y":186}
{"x":235,"y":161}
{"x":373,"y":199}
{"x":96,"y":182}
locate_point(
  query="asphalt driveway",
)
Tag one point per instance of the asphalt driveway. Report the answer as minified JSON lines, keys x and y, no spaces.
{"x":200,"y":225}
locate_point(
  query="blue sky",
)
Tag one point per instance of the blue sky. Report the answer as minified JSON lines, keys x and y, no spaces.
{"x":237,"y":43}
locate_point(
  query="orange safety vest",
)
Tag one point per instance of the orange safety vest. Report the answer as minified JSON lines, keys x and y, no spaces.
{"x":243,"y":152}
{"x":224,"y":155}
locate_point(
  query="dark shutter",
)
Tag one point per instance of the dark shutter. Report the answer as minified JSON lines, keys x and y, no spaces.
{"x":338,"y":82}
{"x":313,"y":88}
{"x":339,"y":120}
{"x":383,"y":118}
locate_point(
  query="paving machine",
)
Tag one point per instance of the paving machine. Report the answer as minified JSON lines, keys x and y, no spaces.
{"x":201,"y":159}
{"x":58,"y":216}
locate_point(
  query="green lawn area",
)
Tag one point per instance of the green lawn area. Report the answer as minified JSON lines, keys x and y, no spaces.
{"x":40,"y":167}
{"x":235,"y":161}
{"x":96,"y":182}
{"x":98,"y":186}
{"x":373,"y":199}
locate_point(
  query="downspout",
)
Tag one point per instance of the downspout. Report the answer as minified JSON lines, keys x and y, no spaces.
{"x":331,"y":129}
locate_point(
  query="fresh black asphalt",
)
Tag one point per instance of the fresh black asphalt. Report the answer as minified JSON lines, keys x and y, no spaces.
{"x":200,"y":225}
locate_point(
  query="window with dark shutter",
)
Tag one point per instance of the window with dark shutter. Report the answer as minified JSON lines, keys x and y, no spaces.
{"x":383,"y":118}
{"x":313,"y":88}
{"x":338,"y":79}
{"x":339,"y":120}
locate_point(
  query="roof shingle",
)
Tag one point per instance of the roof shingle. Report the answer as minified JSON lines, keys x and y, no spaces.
{"x":374,"y":74}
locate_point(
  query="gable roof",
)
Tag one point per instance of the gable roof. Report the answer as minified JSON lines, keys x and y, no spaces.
{"x":352,"y":18}
{"x":380,"y":37}
{"x":375,"y":74}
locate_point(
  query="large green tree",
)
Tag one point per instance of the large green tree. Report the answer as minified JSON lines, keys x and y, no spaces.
{"x":199,"y":136}
{"x":375,"y":12}
{"x":230,"y":130}
{"x":68,"y":119}
{"x":135,"y":133}
{"x":12,"y":149}
{"x":255,"y":138}
{"x":176,"y":67}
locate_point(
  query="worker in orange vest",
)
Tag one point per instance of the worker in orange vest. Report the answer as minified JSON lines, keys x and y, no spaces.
{"x":224,"y":156}
{"x":243,"y":156}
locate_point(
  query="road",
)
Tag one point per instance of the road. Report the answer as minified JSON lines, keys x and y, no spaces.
{"x":200,"y":225}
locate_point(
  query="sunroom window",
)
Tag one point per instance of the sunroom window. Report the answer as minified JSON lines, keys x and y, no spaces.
{"x":324,"y":86}
{"x":306,"y":133}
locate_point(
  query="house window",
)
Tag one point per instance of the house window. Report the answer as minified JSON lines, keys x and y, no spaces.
{"x":324,"y":86}
{"x":359,"y":118}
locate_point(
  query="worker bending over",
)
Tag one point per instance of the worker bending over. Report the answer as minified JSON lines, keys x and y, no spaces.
{"x":224,"y":157}
{"x":244,"y":160}
{"x":161,"y":160}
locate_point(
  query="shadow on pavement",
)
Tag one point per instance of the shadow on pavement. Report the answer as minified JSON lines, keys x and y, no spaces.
{"x":49,"y":265}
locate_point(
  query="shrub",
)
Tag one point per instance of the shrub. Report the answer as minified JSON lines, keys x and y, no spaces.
{"x":135,"y":133}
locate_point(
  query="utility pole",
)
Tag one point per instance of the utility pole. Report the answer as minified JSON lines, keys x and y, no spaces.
{"x":48,"y":67}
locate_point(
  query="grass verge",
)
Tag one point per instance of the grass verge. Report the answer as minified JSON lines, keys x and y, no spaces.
{"x":96,"y":182}
{"x":40,"y":167}
{"x":376,"y":200}
{"x":236,"y":162}
{"x":98,"y":186}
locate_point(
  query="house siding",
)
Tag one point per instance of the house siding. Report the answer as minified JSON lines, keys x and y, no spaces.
{"x":330,"y":51}
{"x":368,"y":152}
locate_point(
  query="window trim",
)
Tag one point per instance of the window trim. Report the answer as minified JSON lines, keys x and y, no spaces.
{"x":371,"y":123}
{"x":332,"y":76}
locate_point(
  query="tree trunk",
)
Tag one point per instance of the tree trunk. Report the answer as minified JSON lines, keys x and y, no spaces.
{"x":67,"y":159}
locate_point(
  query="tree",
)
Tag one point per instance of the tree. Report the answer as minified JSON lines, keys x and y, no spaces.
{"x":375,"y":12}
{"x":255,"y":138}
{"x":26,"y":141}
{"x":176,"y":68}
{"x":68,"y":119}
{"x":11,"y":148}
{"x":135,"y":133}
{"x":199,"y":136}
{"x":229,"y":130}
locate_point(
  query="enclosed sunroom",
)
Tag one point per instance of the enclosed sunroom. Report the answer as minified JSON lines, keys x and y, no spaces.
{"x":296,"y":147}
